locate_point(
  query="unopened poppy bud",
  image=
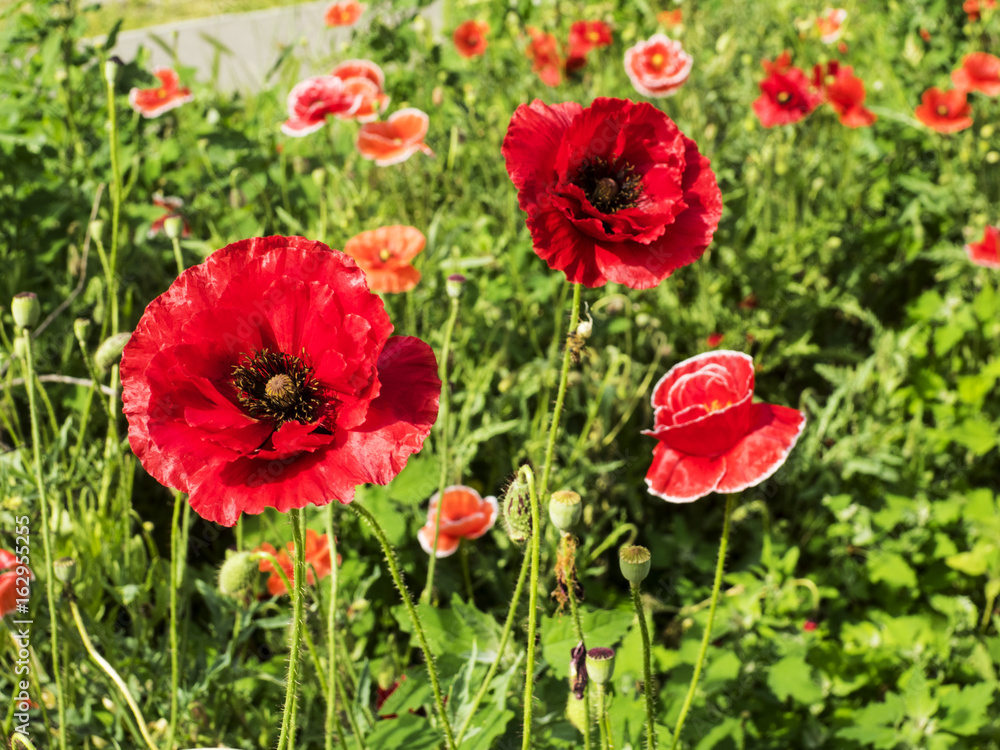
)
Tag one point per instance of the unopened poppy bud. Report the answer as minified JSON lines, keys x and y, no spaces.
{"x":565,"y":509}
{"x":173,"y":226}
{"x":319,"y":176}
{"x":25,"y":309}
{"x":65,"y":569}
{"x":110,"y":350}
{"x":19,"y":742}
{"x":635,"y":562}
{"x":454,"y":285}
{"x":111,"y":70}
{"x":236,"y":198}
{"x":237,"y":574}
{"x":600,"y":665}
{"x":986,"y":131}
{"x":576,"y":713}
{"x":517,"y":510}
{"x":80,"y":327}
{"x":96,"y":229}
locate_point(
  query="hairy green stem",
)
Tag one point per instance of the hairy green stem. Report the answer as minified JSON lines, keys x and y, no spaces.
{"x":647,"y":671}
{"x":708,"y":625}
{"x":536,"y":543}
{"x":116,"y":203}
{"x":176,"y":571}
{"x":298,"y":595}
{"x":602,"y":723}
{"x":574,"y":609}
{"x":332,"y":721}
{"x":178,"y":258}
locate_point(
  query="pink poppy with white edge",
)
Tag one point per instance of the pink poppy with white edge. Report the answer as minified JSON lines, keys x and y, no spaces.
{"x":464,"y":515}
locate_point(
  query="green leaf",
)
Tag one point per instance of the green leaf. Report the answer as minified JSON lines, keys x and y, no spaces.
{"x":602,"y":628}
{"x":967,"y":708}
{"x":891,"y":569}
{"x":792,"y":677}
{"x":406,"y":730}
{"x":976,"y":561}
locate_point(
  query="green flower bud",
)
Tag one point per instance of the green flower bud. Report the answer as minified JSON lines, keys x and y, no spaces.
{"x":110,"y":351}
{"x":575,"y":712}
{"x":517,"y":510}
{"x":454,"y":284}
{"x":319,"y":176}
{"x":565,"y":510}
{"x":65,"y":569}
{"x":26,"y":309}
{"x":96,"y":229}
{"x":238,"y":574}
{"x":600,"y":665}
{"x":80,"y":328}
{"x":173,"y":227}
{"x":19,"y":742}
{"x":635,"y":563}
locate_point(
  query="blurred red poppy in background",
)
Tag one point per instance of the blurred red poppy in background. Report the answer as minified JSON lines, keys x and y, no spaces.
{"x":543,"y":51}
{"x":785,"y":98}
{"x":365,"y":81}
{"x":714,"y":339}
{"x":846,"y":94}
{"x":169,"y":94}
{"x":384,"y":254}
{"x":944,"y":111}
{"x":670,"y":18}
{"x":614,"y":192}
{"x":311,"y":100}
{"x":395,"y":139}
{"x":585,"y":36}
{"x":658,"y":66}
{"x":974,"y":8}
{"x":470,"y":38}
{"x":985,"y":252}
{"x":345,"y":13}
{"x":266,"y":377}
{"x":980,"y":72}
{"x":9,"y":583}
{"x":781,"y":64}
{"x":464,"y":515}
{"x":173,"y":208}
{"x":712,"y":437}
{"x":317,"y":559}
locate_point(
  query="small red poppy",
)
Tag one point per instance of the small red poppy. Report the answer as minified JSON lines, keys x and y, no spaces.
{"x":585,"y":36}
{"x":712,"y":438}
{"x":266,"y":377}
{"x":470,"y":38}
{"x":670,"y":18}
{"x":974,"y":8}
{"x":464,"y":515}
{"x":172,"y":206}
{"x":980,"y":72}
{"x":395,"y":139}
{"x":317,"y":559}
{"x":345,"y":13}
{"x":364,"y":80}
{"x":830,"y":24}
{"x":846,"y":94}
{"x":168,"y":95}
{"x":614,"y":192}
{"x":985,"y":252}
{"x":543,"y":51}
{"x":311,"y":100}
{"x":714,"y":339}
{"x":782,"y":63}
{"x":944,"y":111}
{"x":809,"y":626}
{"x":384,"y":254}
{"x":658,"y":66}
{"x":785,"y":98}
{"x":9,"y":583}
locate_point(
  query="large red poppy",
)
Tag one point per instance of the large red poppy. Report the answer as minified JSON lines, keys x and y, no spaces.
{"x":265,"y":377}
{"x":464,"y":515}
{"x":470,"y":38}
{"x":543,"y":51}
{"x":169,"y":94}
{"x":846,"y":94}
{"x":384,"y":254}
{"x":944,"y":111}
{"x":658,"y":66}
{"x":364,"y":80}
{"x":980,"y":72}
{"x":9,"y":583}
{"x":395,"y":139}
{"x":614,"y":192}
{"x":317,"y":555}
{"x":786,"y":97}
{"x":311,"y":100}
{"x":345,"y":13}
{"x":712,"y":437}
{"x":986,"y":252}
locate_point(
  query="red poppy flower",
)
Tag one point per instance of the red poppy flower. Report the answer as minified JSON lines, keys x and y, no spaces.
{"x":464,"y":515}
{"x":670,"y":18}
{"x":470,"y":38}
{"x":782,"y":63}
{"x":714,"y":339}
{"x":172,"y":206}
{"x":384,"y":254}
{"x":364,"y":80}
{"x":980,"y":72}
{"x":614,"y":192}
{"x":786,"y":98}
{"x":944,"y":111}
{"x":830,"y":24}
{"x":658,"y":67}
{"x":317,"y":559}
{"x":809,"y":626}
{"x":169,"y":94}
{"x":986,"y":253}
{"x":583,"y":37}
{"x":543,"y":51}
{"x":395,"y":139}
{"x":266,"y":377}
{"x":9,"y":583}
{"x":311,"y":100}
{"x":345,"y":13}
{"x":846,"y":94}
{"x":974,"y":8}
{"x":712,"y":437}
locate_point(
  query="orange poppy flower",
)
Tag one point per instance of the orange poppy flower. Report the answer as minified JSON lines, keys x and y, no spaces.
{"x":317,"y":559}
{"x":944,"y":111}
{"x":384,"y":254}
{"x":364,"y":80}
{"x":344,"y":13}
{"x":986,"y":253}
{"x":464,"y":515}
{"x":980,"y":72}
{"x":169,"y":94}
{"x":670,"y":18}
{"x":470,"y":38}
{"x":830,"y":24}
{"x":395,"y":139}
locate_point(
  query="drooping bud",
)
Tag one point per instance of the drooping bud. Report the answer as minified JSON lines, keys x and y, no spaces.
{"x":635,"y":562}
{"x":319,"y":176}
{"x":238,"y":574}
{"x":19,"y":742}
{"x":65,"y":569}
{"x":96,"y":229}
{"x":110,"y":350}
{"x":565,"y":509}
{"x":80,"y":328}
{"x":517,"y":509}
{"x":601,"y":665}
{"x":576,"y":713}
{"x":454,"y":285}
{"x":173,"y":227}
{"x":25,"y":309}
{"x":111,"y":70}
{"x":578,"y":670}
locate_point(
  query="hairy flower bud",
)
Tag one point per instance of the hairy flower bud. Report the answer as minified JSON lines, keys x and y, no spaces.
{"x":110,"y":350}
{"x":19,"y":742}
{"x":319,"y":177}
{"x":635,"y":562}
{"x":517,"y":510}
{"x":25,"y":309}
{"x":173,"y":226}
{"x":237,"y":574}
{"x":80,"y":328}
{"x":565,"y":510}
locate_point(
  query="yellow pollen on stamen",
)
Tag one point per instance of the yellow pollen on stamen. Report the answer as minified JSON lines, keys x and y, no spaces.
{"x":593,"y":36}
{"x":942,"y":110}
{"x":384,"y":254}
{"x":656,"y":60}
{"x":716,"y":405}
{"x":783,"y":96}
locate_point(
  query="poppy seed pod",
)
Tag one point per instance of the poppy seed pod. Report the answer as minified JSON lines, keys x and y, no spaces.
{"x":173,"y":226}
{"x":517,"y":510}
{"x":635,"y":562}
{"x":601,"y":665}
{"x":237,"y":574}
{"x":565,"y":509}
{"x":25,"y":309}
{"x":110,"y":350}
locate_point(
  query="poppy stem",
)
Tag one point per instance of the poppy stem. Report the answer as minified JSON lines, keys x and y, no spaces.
{"x":602,"y":715}
{"x":397,"y":577}
{"x":116,"y":204}
{"x":332,"y":720}
{"x":574,"y":609}
{"x":178,"y":258}
{"x":176,"y":571}
{"x":647,"y":672}
{"x":574,"y":320}
{"x":50,"y":575}
{"x":536,"y":543}
{"x":730,"y":501}
{"x":298,"y":595}
{"x":443,"y":421}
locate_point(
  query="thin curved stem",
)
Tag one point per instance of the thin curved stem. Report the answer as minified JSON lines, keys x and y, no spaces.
{"x":418,"y":628}
{"x":601,"y":723}
{"x":116,"y":204}
{"x":176,"y":571}
{"x":708,"y":625}
{"x":178,"y":257}
{"x":332,"y":722}
{"x":647,"y":671}
{"x":574,"y":609}
{"x":536,"y":538}
{"x":298,"y":595}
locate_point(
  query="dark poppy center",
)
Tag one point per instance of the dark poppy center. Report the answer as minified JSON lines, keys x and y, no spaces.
{"x":783,"y":97}
{"x":609,"y":185}
{"x":277,"y":387}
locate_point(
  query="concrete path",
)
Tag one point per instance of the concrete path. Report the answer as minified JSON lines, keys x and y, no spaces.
{"x":254,"y":41}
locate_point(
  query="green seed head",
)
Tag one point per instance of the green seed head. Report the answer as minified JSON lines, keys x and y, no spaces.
{"x":517,"y":510}
{"x":635,"y":563}
{"x":600,"y":665}
{"x":565,"y":509}
{"x":238,"y":574}
{"x":26,"y":309}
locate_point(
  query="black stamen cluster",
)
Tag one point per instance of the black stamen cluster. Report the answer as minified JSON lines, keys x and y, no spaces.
{"x":297,"y":400}
{"x":609,"y":185}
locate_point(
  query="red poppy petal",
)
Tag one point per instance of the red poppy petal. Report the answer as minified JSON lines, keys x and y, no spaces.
{"x":774,"y":431}
{"x":679,"y":478}
{"x":531,"y":144}
{"x":447,"y":545}
{"x":565,"y":249}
